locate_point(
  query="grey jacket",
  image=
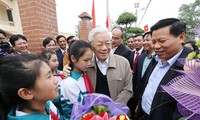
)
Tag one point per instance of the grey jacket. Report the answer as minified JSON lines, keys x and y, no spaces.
{"x":119,"y":76}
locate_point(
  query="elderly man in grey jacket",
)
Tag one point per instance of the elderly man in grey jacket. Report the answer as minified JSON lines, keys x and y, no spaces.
{"x":110,"y":74}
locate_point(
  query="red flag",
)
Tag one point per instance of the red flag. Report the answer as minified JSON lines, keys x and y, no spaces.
{"x":146,"y":28}
{"x":108,"y":15}
{"x":93,"y":15}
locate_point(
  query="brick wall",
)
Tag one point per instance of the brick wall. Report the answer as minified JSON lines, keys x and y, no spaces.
{"x":85,"y":25}
{"x":38,"y":18}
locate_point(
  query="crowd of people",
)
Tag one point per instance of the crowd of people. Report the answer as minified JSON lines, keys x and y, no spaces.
{"x":48,"y":85}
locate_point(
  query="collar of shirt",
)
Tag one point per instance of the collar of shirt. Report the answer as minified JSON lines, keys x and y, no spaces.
{"x":19,"y":113}
{"x":170,"y":61}
{"x":113,"y":49}
{"x":63,"y":50}
{"x":151,"y":56}
{"x":103,"y":66}
{"x":140,"y":51}
{"x":98,"y":61}
{"x":75,"y":75}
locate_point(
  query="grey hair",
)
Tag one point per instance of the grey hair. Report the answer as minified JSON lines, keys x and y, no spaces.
{"x":97,"y":30}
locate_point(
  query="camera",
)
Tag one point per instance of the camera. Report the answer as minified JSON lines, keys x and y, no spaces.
{"x":5,"y":47}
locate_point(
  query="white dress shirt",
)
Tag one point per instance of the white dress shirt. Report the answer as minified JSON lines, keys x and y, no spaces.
{"x":102,"y":66}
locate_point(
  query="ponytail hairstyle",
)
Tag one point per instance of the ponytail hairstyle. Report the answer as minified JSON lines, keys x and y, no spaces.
{"x":77,"y":49}
{"x":19,"y":71}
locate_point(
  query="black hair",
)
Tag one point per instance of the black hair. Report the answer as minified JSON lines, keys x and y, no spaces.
{"x":77,"y":49}
{"x":131,"y":36}
{"x":60,"y":36}
{"x":70,"y":37}
{"x":16,"y":37}
{"x":195,"y":48}
{"x":176,"y":26}
{"x":138,"y":35}
{"x":47,"y":41}
{"x":122,"y":31}
{"x":18,"y":71}
{"x":46,"y":55}
{"x":3,"y":32}
{"x":146,"y":33}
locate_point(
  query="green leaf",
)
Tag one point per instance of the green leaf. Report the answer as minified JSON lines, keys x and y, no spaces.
{"x":100,"y":108}
{"x":182,"y":118}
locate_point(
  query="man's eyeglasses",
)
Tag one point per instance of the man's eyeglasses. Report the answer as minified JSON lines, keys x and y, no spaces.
{"x":100,"y":45}
{"x":115,"y":38}
{"x":2,"y":38}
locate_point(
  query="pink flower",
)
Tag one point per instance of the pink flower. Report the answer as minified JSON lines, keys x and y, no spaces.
{"x":106,"y":116}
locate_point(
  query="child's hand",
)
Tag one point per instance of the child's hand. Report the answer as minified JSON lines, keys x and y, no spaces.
{"x":66,"y":70}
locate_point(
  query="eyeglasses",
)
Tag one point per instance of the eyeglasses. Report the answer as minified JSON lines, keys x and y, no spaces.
{"x":2,"y":38}
{"x":115,"y":38}
{"x":100,"y":45}
{"x":22,"y":43}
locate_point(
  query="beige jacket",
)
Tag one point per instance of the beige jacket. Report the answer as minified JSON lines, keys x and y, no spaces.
{"x":119,"y":78}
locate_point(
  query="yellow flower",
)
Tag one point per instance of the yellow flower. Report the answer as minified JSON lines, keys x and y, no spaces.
{"x":198,"y":42}
{"x":191,"y":55}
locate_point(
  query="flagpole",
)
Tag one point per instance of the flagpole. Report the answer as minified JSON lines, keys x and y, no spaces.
{"x":93,"y":15}
{"x":108,"y":15}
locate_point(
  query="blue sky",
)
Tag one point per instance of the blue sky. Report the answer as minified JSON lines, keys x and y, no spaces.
{"x":67,"y":12}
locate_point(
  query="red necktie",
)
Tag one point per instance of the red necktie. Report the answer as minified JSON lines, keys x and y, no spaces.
{"x":60,"y":75}
{"x":135,"y":61}
{"x":88,"y":84}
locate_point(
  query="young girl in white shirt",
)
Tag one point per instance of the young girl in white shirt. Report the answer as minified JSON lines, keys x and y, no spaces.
{"x":77,"y":85}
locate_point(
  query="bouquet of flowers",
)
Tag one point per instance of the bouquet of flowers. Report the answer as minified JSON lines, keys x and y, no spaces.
{"x":186,"y":88}
{"x":99,"y":107}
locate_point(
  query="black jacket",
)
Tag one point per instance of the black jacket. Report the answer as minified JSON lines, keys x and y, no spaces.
{"x":60,"y":59}
{"x":122,"y":50}
{"x":164,"y":107}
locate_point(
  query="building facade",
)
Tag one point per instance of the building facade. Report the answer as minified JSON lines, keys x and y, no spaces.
{"x":9,"y":17}
{"x":39,"y":21}
{"x":35,"y":19}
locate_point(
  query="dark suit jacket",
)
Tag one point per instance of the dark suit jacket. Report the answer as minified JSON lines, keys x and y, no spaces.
{"x":60,"y":59}
{"x":137,"y":75}
{"x":132,"y":102}
{"x":122,"y":50}
{"x":164,"y":107}
{"x":132,"y":57}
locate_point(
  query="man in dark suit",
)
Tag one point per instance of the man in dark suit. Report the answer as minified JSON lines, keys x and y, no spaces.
{"x":167,"y":38}
{"x":138,"y":43}
{"x":62,"y":42}
{"x":117,"y":46}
